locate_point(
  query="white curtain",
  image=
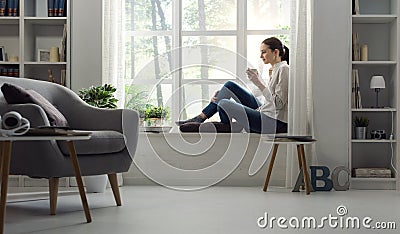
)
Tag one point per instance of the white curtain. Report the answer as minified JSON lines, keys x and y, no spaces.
{"x":300,"y":119}
{"x":114,"y":47}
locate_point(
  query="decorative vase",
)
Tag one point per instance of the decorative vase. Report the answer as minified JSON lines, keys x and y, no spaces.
{"x":360,"y":132}
{"x":96,"y":184}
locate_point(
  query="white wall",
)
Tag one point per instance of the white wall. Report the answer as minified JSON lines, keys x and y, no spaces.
{"x":86,"y":43}
{"x":331,"y":61}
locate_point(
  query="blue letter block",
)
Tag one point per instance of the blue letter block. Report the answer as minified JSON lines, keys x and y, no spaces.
{"x":324,"y":177}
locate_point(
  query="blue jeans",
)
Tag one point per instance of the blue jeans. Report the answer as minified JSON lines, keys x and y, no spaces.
{"x":243,"y":110}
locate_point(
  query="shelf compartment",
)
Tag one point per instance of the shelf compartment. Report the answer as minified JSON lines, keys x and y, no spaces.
{"x":374,"y":110}
{"x":9,"y":63}
{"x":372,"y":179}
{"x":45,"y":63}
{"x":45,"y":20}
{"x":374,"y":62}
{"x":373,"y":19}
{"x":8,"y":20}
{"x":372,"y":141}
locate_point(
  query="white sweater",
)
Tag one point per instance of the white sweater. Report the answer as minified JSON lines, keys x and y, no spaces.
{"x":276,"y":93}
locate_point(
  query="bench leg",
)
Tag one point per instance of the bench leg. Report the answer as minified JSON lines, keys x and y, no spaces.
{"x":271,"y":165}
{"x":304,"y":167}
{"x":299,"y":159}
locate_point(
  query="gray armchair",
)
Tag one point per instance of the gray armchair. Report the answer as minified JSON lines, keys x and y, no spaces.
{"x":109,"y":151}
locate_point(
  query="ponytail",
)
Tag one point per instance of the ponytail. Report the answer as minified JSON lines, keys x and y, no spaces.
{"x":285,"y":56}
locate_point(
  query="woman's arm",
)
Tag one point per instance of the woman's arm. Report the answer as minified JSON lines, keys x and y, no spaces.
{"x":277,"y":91}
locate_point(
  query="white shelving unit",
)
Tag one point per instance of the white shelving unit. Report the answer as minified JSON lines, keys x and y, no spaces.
{"x":377,"y":26}
{"x":31,"y":30}
{"x":22,"y":36}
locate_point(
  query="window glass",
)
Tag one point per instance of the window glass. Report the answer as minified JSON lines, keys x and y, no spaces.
{"x":148,"y":57}
{"x":214,"y":59}
{"x":147,"y":15}
{"x":202,"y":15}
{"x":268,"y":14}
{"x":196,"y":97}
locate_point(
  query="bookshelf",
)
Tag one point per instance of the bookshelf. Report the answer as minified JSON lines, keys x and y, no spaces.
{"x":22,"y":37}
{"x":376,"y":25}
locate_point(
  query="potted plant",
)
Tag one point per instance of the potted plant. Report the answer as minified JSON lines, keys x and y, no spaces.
{"x":154,"y":115}
{"x":102,"y":97}
{"x":360,"y":126}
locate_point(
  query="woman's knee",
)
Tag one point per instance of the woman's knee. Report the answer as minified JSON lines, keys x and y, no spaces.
{"x":224,"y":103}
{"x":230,"y":84}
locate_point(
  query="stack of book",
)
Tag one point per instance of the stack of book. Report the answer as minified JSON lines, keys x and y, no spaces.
{"x":356,"y":7}
{"x":356,"y":47}
{"x":9,"y":7}
{"x":63,"y":52}
{"x":372,"y":173}
{"x":56,"y":8}
{"x":355,"y":90}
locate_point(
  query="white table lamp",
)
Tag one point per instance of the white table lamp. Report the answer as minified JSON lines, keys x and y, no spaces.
{"x":377,"y":83}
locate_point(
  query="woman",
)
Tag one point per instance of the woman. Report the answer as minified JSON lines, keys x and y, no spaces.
{"x":246,"y":109}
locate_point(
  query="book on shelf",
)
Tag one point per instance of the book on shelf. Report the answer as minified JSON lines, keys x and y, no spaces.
{"x":56,"y":5}
{"x":355,"y":47}
{"x":63,"y":77}
{"x":61,"y":7}
{"x":355,"y":90}
{"x":15,"y":7}
{"x":3,"y":4}
{"x":373,"y":172}
{"x":63,"y":52}
{"x":355,"y":7}
{"x":10,"y":7}
{"x":50,"y":8}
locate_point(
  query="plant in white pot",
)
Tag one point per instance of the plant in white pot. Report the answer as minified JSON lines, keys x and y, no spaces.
{"x":102,"y":97}
{"x":155,"y":115}
{"x":360,"y":127}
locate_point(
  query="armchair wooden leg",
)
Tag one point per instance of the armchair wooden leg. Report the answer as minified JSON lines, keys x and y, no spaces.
{"x":53,"y":192}
{"x":114,"y":186}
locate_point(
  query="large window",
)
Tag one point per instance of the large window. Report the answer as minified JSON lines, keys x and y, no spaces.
{"x":179,"y":52}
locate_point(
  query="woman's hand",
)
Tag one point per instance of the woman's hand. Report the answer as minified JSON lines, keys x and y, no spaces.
{"x":253,"y":77}
{"x":214,"y":98}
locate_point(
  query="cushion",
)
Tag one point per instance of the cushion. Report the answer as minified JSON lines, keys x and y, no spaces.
{"x":17,"y":95}
{"x":101,"y":142}
{"x":211,"y":127}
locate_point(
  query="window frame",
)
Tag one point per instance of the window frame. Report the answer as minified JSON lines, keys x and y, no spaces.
{"x":241,"y":33}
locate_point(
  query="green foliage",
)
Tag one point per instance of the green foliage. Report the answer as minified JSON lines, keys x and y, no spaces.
{"x":99,"y":96}
{"x":137,"y":100}
{"x":156,"y":112}
{"x":360,"y":121}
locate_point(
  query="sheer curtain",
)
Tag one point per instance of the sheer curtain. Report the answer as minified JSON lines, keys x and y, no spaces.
{"x":114,"y":47}
{"x":300,"y":121}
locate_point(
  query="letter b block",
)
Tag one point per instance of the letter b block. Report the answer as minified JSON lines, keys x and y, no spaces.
{"x":324,"y":177}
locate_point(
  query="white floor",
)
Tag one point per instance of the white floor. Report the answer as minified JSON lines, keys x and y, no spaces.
{"x":151,"y":209}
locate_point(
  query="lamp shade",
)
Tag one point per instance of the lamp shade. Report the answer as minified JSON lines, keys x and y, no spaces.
{"x":377,"y":82}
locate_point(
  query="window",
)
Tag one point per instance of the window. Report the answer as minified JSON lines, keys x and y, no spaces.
{"x":179,"y":52}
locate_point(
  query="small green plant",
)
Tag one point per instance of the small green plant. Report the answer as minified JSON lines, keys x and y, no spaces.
{"x":100,"y":96}
{"x":156,"y":112}
{"x":360,"y":121}
{"x":137,"y":100}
